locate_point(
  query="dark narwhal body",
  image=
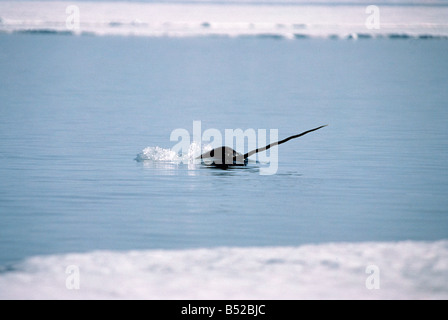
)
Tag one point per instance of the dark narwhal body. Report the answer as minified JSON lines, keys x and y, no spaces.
{"x":224,"y":157}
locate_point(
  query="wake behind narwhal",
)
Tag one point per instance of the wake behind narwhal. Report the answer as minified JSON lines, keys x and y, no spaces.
{"x":224,"y":157}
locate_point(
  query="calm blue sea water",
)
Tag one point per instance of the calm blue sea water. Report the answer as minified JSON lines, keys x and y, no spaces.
{"x":76,"y":110}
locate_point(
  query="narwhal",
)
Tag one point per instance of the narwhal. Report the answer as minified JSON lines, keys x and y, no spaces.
{"x":224,"y":157}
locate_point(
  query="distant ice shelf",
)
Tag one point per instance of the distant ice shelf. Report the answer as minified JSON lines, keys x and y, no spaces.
{"x":284,"y":21}
{"x":369,"y":270}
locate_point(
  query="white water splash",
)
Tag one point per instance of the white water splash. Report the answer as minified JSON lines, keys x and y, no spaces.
{"x":158,"y":154}
{"x":168,"y":155}
{"x":278,"y":21}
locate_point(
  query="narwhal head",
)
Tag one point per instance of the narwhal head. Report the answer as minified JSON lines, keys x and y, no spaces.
{"x":222,"y":157}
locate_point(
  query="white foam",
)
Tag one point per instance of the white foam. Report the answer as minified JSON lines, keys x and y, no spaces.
{"x":159,"y":154}
{"x":291,"y":21}
{"x":407,"y":270}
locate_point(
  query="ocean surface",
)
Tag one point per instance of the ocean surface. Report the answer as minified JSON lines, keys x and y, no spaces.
{"x":87,"y":177}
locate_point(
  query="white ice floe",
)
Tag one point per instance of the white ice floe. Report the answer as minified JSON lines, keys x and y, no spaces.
{"x":291,"y":20}
{"x":372,"y":270}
